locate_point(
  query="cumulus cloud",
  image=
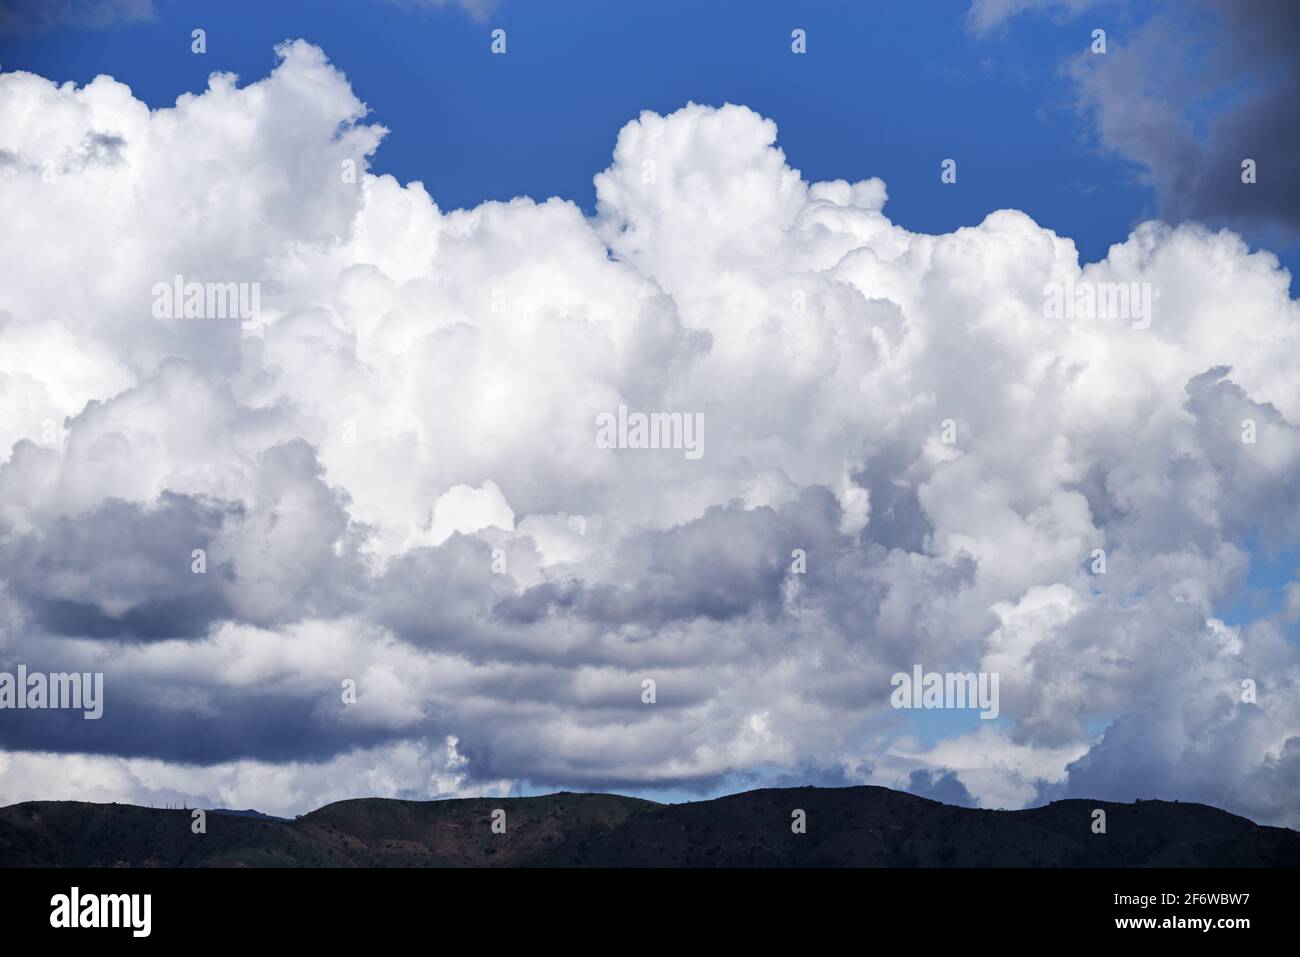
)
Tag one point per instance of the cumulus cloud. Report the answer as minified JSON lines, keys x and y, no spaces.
{"x":395,"y":480}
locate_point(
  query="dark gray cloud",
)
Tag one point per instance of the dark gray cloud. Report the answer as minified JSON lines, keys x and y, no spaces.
{"x":943,"y":786}
{"x":123,"y":570}
{"x":1196,"y":90}
{"x":127,"y":571}
{"x":214,"y":725}
{"x":728,"y":563}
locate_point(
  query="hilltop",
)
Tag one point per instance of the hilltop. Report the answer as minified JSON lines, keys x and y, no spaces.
{"x":846,"y":827}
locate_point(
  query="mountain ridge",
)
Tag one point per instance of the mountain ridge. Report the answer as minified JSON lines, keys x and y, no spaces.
{"x":863,"y":826}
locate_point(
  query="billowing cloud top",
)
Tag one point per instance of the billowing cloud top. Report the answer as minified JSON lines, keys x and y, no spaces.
{"x":394,"y":473}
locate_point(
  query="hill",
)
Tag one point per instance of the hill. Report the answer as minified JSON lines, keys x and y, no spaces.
{"x":846,"y":827}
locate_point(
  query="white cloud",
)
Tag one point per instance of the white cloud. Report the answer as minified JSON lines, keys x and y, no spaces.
{"x":423,"y":373}
{"x":478,"y":9}
{"x":464,"y":509}
{"x":408,"y":770}
{"x":984,"y":16}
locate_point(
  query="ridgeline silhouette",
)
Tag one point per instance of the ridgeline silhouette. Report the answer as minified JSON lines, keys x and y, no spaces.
{"x":846,"y":827}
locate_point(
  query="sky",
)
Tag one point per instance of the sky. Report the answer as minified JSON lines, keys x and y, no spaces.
{"x":394,"y":481}
{"x":994,"y":92}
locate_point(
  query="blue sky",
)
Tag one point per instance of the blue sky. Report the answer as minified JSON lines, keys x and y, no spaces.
{"x":885,"y":90}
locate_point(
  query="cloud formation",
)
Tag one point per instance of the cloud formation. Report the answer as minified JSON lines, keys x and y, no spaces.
{"x":395,"y":480}
{"x":1187,"y":91}
{"x":1193,"y":137}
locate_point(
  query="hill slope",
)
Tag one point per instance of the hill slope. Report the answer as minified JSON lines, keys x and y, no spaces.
{"x":846,"y":827}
